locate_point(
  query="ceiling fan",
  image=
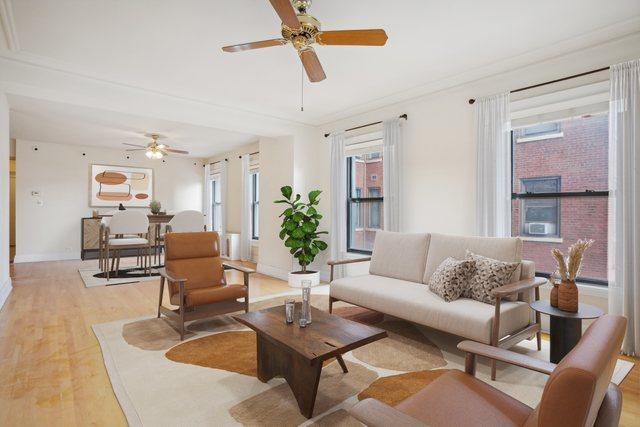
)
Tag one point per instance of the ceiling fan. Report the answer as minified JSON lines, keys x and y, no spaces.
{"x":153,"y":150}
{"x":302,"y":30}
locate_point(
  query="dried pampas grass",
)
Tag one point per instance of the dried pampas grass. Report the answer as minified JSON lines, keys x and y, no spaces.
{"x":569,"y":268}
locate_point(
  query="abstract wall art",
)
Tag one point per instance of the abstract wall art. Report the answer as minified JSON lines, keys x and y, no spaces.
{"x":112,"y":185}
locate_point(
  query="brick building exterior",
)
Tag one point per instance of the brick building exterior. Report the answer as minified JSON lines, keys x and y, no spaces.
{"x":366,"y":218}
{"x":573,"y":157}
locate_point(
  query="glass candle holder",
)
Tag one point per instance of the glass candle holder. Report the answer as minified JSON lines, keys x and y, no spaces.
{"x":289,"y":310}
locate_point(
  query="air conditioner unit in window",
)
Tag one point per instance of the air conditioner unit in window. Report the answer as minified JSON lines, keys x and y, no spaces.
{"x":541,"y":228}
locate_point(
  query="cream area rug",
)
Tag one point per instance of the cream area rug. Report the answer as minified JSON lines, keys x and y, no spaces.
{"x":210,"y":378}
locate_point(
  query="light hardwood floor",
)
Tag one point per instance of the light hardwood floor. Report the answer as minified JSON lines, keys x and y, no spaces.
{"x":51,"y":368}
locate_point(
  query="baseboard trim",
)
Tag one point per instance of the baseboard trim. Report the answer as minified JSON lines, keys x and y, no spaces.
{"x":276,"y":272}
{"x":59,"y":256}
{"x":5,"y":290}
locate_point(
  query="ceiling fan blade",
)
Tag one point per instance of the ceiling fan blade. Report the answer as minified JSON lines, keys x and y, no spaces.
{"x":254,"y":45}
{"x":135,"y":145}
{"x":353,"y":37}
{"x":136,"y":149}
{"x":172,"y":150}
{"x":312,"y":65}
{"x":287,"y":14}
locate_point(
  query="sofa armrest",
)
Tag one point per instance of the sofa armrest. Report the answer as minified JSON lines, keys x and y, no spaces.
{"x":348,"y":261}
{"x":519,"y":286}
{"x":502,"y":355}
{"x":374,"y":413}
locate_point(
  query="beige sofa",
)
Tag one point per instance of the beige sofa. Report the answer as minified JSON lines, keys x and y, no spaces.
{"x":401,"y":265}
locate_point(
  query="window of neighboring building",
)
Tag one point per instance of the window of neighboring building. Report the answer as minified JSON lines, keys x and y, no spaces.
{"x":364,"y":201}
{"x":540,"y":217}
{"x":216,"y":204}
{"x":255,"y":205}
{"x":541,"y":129}
{"x":560,"y":193}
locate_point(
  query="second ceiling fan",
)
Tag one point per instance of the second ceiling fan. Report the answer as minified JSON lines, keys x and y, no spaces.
{"x":303,"y":30}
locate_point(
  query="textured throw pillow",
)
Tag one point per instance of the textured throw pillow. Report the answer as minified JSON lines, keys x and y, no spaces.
{"x":451,"y":278}
{"x":488,"y":275}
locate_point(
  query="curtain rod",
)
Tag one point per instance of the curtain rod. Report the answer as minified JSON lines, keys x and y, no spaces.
{"x":586,"y":73}
{"x":218,"y":161}
{"x":250,"y":154}
{"x":403,"y":116}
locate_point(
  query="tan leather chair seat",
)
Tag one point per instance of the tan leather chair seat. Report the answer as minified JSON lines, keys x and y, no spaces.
{"x":209,"y":295}
{"x":458,"y":399}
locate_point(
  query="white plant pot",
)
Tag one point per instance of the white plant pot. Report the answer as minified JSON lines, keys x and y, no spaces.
{"x":296,"y":278}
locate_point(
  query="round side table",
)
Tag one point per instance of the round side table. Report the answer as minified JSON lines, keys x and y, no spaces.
{"x":566,"y":327}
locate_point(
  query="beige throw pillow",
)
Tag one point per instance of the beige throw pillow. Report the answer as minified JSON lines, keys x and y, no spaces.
{"x":451,"y":278}
{"x":488,"y":275}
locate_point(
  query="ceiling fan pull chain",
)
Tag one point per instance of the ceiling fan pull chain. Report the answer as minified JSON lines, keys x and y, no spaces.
{"x":302,"y":88}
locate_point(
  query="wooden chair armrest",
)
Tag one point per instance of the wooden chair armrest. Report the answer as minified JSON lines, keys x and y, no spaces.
{"x":511,"y":357}
{"x":374,"y":413}
{"x":170,"y":276}
{"x":519,"y":286}
{"x":239,"y":268}
{"x":348,"y":261}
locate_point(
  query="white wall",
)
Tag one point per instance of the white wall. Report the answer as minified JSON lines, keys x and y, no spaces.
{"x":233,"y":208}
{"x":5,"y":280}
{"x":61,"y":174}
{"x":439,"y":148}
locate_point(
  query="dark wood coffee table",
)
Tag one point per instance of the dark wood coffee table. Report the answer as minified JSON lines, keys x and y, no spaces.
{"x":297,"y":354}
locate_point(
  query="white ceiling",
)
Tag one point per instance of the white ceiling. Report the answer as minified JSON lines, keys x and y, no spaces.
{"x":173,"y":48}
{"x":37,"y":120}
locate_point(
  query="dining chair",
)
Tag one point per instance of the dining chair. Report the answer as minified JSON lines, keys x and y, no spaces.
{"x":127,"y":229}
{"x":189,"y":221}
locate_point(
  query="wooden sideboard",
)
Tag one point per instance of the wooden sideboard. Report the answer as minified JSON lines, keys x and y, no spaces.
{"x":90,"y":235}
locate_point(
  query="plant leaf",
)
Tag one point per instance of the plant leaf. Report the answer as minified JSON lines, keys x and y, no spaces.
{"x":286,"y":191}
{"x":313,"y":196}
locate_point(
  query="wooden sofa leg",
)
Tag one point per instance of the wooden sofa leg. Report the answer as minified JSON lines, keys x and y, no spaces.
{"x":495,"y":336}
{"x":538,"y":321}
{"x":331,"y":299}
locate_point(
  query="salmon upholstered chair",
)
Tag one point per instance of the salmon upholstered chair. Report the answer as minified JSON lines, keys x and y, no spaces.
{"x":196,"y":278}
{"x":578,"y":392}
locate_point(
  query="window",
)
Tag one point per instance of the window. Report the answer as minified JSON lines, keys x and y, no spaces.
{"x":255,"y":205}
{"x":364,"y":200}
{"x":216,"y":204}
{"x":540,"y":217}
{"x":541,"y":129}
{"x":560,"y":193}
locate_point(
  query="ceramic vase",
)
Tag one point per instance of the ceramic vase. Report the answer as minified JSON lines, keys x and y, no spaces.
{"x":553,"y":297}
{"x":568,"y":296}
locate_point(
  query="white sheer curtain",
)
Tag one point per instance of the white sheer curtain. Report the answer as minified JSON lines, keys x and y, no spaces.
{"x":338,"y":231}
{"x":245,"y":230}
{"x":223,"y":197}
{"x":624,"y":203}
{"x":206,"y":199}
{"x":493,"y":195}
{"x":391,"y":164}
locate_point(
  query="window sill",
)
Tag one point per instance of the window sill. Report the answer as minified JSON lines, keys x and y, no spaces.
{"x":540,"y":137}
{"x":542,"y":239}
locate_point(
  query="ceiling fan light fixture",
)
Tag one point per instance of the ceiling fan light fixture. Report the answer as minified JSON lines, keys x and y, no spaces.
{"x":149,"y":154}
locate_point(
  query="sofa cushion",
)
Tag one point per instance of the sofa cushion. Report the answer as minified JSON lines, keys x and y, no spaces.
{"x":451,"y":279}
{"x":416,"y":303}
{"x":443,"y":246}
{"x":488,"y":275}
{"x":399,"y":255}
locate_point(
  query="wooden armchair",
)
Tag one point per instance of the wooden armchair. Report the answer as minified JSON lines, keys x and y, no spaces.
{"x":196,"y":279}
{"x":578,"y":393}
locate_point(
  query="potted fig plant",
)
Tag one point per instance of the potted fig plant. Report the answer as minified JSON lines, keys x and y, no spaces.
{"x":299,"y":231}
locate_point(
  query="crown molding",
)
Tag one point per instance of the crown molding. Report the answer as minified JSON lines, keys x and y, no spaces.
{"x":623,"y":30}
{"x":8,"y":25}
